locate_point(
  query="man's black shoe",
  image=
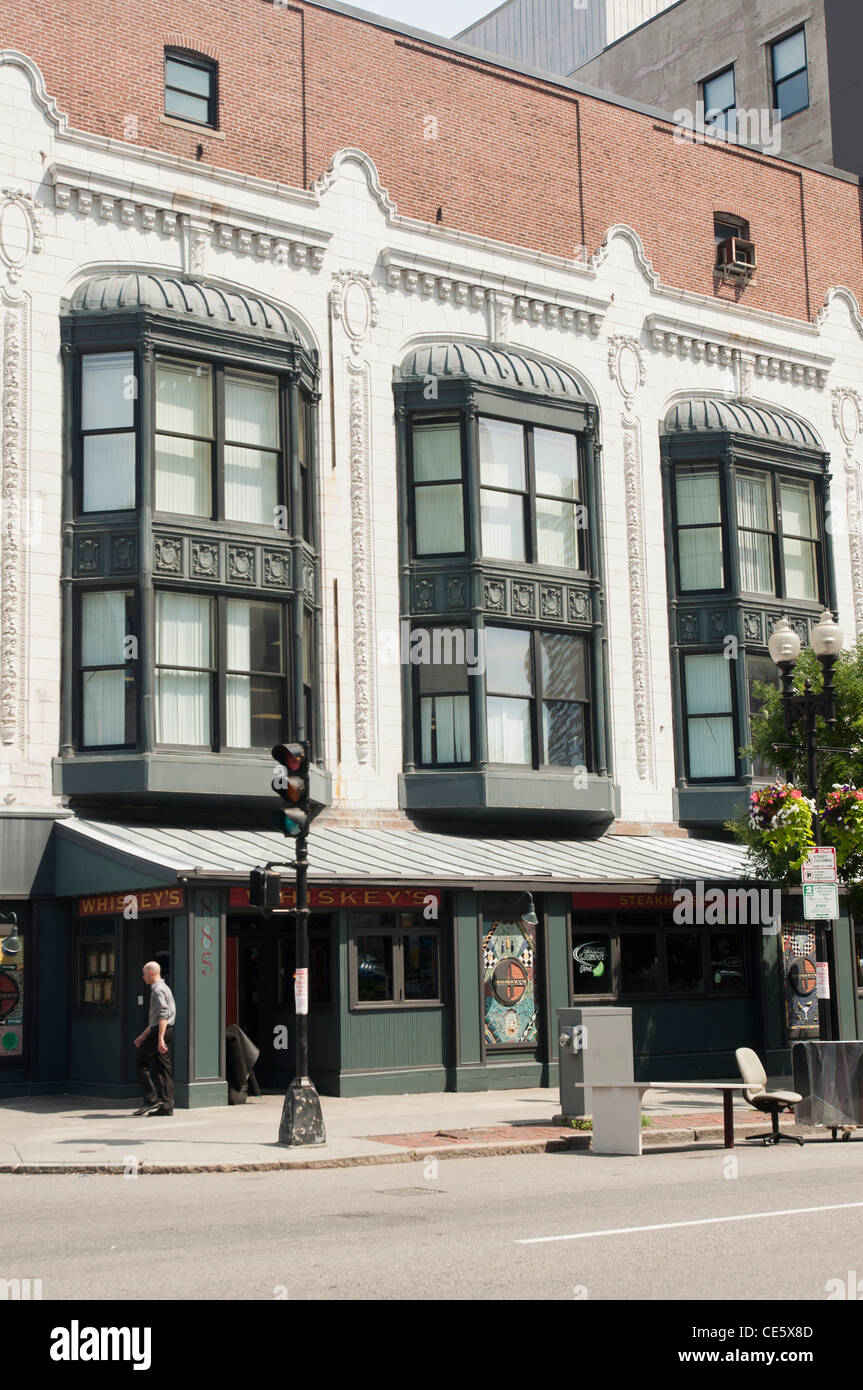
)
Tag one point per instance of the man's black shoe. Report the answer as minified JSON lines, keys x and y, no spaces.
{"x":160,"y":1111}
{"x":146,"y":1109}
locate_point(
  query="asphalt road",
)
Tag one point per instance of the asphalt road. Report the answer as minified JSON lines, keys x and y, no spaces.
{"x":407,"y":1232}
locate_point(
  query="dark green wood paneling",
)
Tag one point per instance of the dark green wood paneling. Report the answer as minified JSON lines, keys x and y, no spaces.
{"x":468,"y":983}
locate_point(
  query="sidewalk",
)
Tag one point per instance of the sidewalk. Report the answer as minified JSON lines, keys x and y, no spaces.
{"x":59,"y":1134}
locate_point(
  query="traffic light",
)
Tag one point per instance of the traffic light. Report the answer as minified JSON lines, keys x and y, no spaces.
{"x":291,"y":782}
{"x":265,"y":889}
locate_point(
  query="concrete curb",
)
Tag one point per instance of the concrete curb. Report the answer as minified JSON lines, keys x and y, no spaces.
{"x":574,"y":1140}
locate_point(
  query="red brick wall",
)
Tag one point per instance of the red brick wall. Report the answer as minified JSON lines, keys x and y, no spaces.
{"x":514,"y":158}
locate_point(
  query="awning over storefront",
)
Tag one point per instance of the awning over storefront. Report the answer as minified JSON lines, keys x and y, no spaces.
{"x":101,"y":856}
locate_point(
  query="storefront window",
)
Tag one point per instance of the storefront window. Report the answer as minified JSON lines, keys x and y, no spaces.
{"x":727,"y":960}
{"x":639,"y":963}
{"x":11,"y":986}
{"x":618,"y":953}
{"x":591,"y":963}
{"x":395,"y":959}
{"x":96,"y":972}
{"x":684,"y":961}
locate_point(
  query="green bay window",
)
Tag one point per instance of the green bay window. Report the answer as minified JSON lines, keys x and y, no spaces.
{"x":746,"y":490}
{"x":500,"y":526}
{"x":190,"y":573}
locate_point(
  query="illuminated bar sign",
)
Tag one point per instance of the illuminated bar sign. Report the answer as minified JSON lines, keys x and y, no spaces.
{"x":624,"y":901}
{"x":145,"y":900}
{"x":350,"y":897}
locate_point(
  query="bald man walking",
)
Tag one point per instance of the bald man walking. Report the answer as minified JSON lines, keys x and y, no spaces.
{"x":153,"y":1055}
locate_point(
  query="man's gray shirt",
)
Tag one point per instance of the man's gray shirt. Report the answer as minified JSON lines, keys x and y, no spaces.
{"x":161,"y":1004}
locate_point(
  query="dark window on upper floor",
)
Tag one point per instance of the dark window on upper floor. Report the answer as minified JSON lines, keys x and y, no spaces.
{"x":191,"y":88}
{"x":720,"y":102}
{"x":790,"y":74}
{"x":777,"y":525}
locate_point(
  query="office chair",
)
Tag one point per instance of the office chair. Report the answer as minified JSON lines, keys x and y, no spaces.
{"x":771,"y":1102}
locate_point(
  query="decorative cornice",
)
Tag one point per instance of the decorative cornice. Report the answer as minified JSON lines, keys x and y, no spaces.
{"x":677,"y":338}
{"x":469,"y":286}
{"x":203,"y":224}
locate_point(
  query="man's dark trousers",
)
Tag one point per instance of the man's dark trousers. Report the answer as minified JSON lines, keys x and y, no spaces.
{"x":150,"y":1060}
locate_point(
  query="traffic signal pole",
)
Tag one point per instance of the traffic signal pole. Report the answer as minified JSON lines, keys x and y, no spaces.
{"x":302,"y":1119}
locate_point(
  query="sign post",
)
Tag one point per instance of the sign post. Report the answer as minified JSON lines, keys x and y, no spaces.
{"x":821,"y":904}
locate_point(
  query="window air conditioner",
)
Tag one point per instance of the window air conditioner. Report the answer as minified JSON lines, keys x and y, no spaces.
{"x":737,"y":257}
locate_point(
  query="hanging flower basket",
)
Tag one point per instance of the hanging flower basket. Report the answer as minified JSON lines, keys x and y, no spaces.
{"x":779,"y":831}
{"x":842,"y":827}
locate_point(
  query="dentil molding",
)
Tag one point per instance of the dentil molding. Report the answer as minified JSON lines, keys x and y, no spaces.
{"x":757,"y":358}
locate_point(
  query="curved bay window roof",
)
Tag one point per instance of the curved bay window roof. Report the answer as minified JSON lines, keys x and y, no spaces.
{"x":701,"y":414}
{"x":491,"y":367}
{"x":173,"y":294}
{"x":192,"y":611}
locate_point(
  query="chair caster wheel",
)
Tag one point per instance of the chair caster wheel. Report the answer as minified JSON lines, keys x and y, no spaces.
{"x":800,"y":1142}
{"x":765,"y":1143}
{"x":846,"y":1137}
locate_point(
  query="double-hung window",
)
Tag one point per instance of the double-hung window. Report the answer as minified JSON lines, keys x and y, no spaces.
{"x":444,"y":708}
{"x":190,"y":88}
{"x":699,"y":528}
{"x":720,"y":102}
{"x":529,"y":493}
{"x":108,"y":397}
{"x":790,"y":74}
{"x":537,"y":707}
{"x":755,"y":529}
{"x":220,"y":671}
{"x":108,"y":650}
{"x":709,"y":717}
{"x":190,"y":397}
{"x":438,"y":489}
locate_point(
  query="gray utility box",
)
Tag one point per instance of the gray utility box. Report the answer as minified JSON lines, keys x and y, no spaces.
{"x":594,"y":1046}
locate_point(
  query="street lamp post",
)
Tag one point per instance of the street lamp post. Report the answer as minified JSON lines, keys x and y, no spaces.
{"x":808,"y":707}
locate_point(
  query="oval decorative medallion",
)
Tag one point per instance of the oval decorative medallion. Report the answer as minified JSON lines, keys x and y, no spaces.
{"x":356,"y":310}
{"x":16,"y":234}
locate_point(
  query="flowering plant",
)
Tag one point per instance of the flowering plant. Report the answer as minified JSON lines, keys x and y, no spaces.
{"x":842,"y":825}
{"x":778,"y":830}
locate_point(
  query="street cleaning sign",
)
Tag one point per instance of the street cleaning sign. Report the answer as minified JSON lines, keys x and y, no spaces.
{"x":819,"y":866}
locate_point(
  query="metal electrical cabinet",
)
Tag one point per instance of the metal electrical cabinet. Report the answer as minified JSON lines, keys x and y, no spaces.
{"x":594,"y":1046}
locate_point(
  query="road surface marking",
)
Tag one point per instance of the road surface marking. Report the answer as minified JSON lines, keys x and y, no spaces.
{"x":671,"y":1225}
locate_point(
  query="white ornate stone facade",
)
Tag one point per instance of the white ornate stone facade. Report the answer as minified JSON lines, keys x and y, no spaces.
{"x":368,"y":284}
